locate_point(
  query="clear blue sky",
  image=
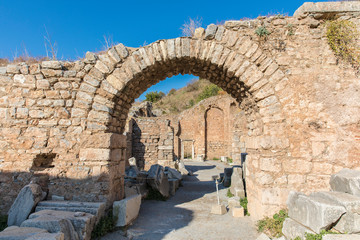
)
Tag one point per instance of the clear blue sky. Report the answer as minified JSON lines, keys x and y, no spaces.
{"x":80,"y":26}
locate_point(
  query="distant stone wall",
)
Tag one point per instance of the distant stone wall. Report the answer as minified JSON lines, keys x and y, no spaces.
{"x":301,"y":104}
{"x":152,"y":142}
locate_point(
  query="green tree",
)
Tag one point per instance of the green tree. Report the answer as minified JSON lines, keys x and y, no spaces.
{"x":154,"y":96}
{"x":209,"y":91}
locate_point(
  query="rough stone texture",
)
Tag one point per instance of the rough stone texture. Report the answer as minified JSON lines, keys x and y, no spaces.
{"x":347,"y":180}
{"x":17,"y":233}
{"x":341,"y":237}
{"x":218,"y":209}
{"x":82,"y":222}
{"x":292,"y":229}
{"x":127,"y":210}
{"x":158,"y":180}
{"x":173,"y":173}
{"x":314,"y":212}
{"x":263,"y":237}
{"x":237,"y":184}
{"x":238,"y":211}
{"x":47,"y":236}
{"x":300,"y":102}
{"x":334,"y":7}
{"x":24,"y":204}
{"x":233,"y":202}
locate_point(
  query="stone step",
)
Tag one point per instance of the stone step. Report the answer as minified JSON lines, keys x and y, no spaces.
{"x":95,"y":208}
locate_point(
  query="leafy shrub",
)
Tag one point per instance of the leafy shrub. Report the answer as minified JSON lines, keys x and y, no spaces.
{"x":342,"y":37}
{"x":244,"y":203}
{"x":262,"y":31}
{"x":215,"y":158}
{"x":3,"y":222}
{"x":273,"y":226}
{"x":105,"y":225}
{"x":209,"y":91}
{"x":154,"y":96}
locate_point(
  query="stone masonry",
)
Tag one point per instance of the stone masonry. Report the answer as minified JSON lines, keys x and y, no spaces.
{"x":65,"y":120}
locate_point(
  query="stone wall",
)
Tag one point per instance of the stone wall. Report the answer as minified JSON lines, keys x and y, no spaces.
{"x":301,"y":104}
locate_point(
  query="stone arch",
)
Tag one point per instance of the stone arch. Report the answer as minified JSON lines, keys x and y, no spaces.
{"x":243,"y":70}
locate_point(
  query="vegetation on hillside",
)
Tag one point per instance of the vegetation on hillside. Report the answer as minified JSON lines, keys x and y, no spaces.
{"x":154,"y":96}
{"x":179,"y":100}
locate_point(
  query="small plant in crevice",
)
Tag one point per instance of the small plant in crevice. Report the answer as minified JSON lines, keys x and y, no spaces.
{"x":155,"y":195}
{"x":343,"y":37}
{"x":310,"y":236}
{"x":229,"y":194}
{"x":3,"y":222}
{"x":104,"y":226}
{"x":262,"y":32}
{"x":244,"y":203}
{"x":215,"y":158}
{"x":290,"y":30}
{"x":273,"y":226}
{"x":229,"y":160}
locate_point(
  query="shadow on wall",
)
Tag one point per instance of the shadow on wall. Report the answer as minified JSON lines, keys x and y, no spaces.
{"x":138,"y":148}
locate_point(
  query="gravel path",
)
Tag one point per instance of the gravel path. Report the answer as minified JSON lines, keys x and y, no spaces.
{"x":187,"y":214}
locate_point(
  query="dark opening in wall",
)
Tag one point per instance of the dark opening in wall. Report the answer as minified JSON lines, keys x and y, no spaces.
{"x":43,"y":161}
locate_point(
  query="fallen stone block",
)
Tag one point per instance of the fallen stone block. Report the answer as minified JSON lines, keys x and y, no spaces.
{"x":233,"y":202}
{"x":24,"y":204}
{"x":313,"y":212}
{"x":82,"y":222}
{"x":263,"y":237}
{"x":238,"y":211}
{"x":131,"y":172}
{"x":53,"y":225}
{"x":19,"y":233}
{"x":347,"y":181}
{"x":341,"y":237}
{"x":350,"y":221}
{"x":237,"y":183}
{"x":126,"y":210}
{"x":158,"y":180}
{"x":173,"y":186}
{"x":218,"y":209}
{"x":173,"y":173}
{"x":292,"y":229}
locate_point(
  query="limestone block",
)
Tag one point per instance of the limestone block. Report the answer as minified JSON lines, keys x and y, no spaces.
{"x":341,"y":237}
{"x":173,"y":185}
{"x":173,"y":173}
{"x":347,"y":180}
{"x":126,"y":210}
{"x":24,"y":204}
{"x":292,"y":229}
{"x":47,"y":236}
{"x":218,"y":209}
{"x":313,"y":212}
{"x":158,"y":180}
{"x":199,"y":32}
{"x":349,"y":223}
{"x":210,"y":31}
{"x":82,"y":222}
{"x":17,"y":233}
{"x":237,"y":184}
{"x":238,"y":211}
{"x":51,"y":64}
{"x":263,"y":237}
{"x":182,"y":168}
{"x":233,"y":202}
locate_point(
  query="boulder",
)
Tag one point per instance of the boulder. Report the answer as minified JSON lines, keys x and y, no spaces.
{"x":237,"y":183}
{"x":350,"y":221}
{"x":347,"y":181}
{"x":292,"y":229}
{"x":53,"y":224}
{"x":20,"y":233}
{"x":341,"y":237}
{"x":25,"y":203}
{"x":173,"y":173}
{"x":82,"y":222}
{"x":314,"y":212}
{"x":158,"y":180}
{"x":126,"y":210}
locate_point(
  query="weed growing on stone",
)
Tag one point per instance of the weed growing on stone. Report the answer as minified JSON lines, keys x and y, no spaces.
{"x":215,"y":158}
{"x":309,"y":236}
{"x":262,"y":32}
{"x":229,"y":194}
{"x":3,"y":222}
{"x":273,"y":226}
{"x":230,"y":160}
{"x":105,"y":225}
{"x":290,"y":29}
{"x":342,"y":37}
{"x":244,"y":203}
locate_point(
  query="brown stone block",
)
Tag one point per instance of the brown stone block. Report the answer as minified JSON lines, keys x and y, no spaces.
{"x":94,"y":154}
{"x":103,"y":140}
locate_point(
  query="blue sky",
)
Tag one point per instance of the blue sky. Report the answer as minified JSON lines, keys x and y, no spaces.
{"x":80,"y":26}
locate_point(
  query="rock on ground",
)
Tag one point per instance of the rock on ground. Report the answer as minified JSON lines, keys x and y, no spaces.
{"x":18,"y":233}
{"x":341,"y":237}
{"x":158,"y":180}
{"x":292,"y":229}
{"x":126,"y":210}
{"x":347,"y":180}
{"x":24,"y":204}
{"x":313,"y":212}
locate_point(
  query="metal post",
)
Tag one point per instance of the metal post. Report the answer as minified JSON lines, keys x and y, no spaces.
{"x":217,"y":191}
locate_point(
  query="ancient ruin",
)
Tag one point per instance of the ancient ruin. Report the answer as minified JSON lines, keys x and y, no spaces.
{"x":62,"y":124}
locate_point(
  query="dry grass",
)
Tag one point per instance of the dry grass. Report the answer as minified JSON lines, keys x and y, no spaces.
{"x":22,"y":59}
{"x":188,"y":28}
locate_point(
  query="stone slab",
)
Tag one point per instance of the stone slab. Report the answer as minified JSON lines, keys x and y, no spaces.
{"x":19,"y":233}
{"x":347,"y":181}
{"x":238,"y":212}
{"x":233,"y":202}
{"x":327,"y":7}
{"x":313,"y":212}
{"x":24,"y":204}
{"x":292,"y":229}
{"x":126,"y":210}
{"x":218,"y":209}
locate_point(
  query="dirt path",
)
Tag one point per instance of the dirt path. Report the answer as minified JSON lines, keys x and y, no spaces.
{"x":187,"y":214}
